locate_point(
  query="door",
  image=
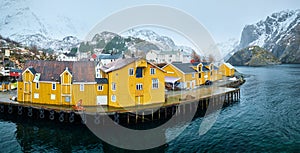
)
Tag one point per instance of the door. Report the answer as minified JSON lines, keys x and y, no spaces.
{"x":101,"y":100}
{"x":139,"y":100}
{"x":27,"y":91}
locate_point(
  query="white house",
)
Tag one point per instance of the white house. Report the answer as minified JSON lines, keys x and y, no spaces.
{"x":108,"y":58}
{"x":66,"y":57}
{"x":168,"y":56}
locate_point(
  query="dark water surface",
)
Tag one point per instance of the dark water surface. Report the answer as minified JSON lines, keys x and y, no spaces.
{"x":267,"y":119}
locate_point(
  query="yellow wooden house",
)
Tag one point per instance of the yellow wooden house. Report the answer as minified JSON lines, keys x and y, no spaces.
{"x":61,"y":83}
{"x":203,"y":72}
{"x":226,"y":69}
{"x":184,"y":73}
{"x":134,"y":81}
{"x":213,"y":71}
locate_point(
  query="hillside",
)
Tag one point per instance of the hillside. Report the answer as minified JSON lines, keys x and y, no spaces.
{"x":109,"y":42}
{"x":19,"y":54}
{"x":253,"y":56}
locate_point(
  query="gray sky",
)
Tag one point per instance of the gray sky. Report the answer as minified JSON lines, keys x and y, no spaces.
{"x":224,"y":19}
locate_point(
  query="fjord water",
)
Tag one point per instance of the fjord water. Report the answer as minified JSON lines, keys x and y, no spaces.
{"x":266,"y":119}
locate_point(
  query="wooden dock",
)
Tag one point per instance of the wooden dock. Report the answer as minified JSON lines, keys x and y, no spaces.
{"x":177,"y":103}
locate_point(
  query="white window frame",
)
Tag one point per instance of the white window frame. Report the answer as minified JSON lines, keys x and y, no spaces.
{"x":113,"y":98}
{"x":36,"y":95}
{"x":129,"y":72}
{"x":67,"y":99}
{"x":81,"y":87}
{"x":155,"y":84}
{"x":52,"y":96}
{"x":139,"y":86}
{"x":152,"y":70}
{"x":113,"y":86}
{"x":101,"y":88}
{"x":54,"y":85}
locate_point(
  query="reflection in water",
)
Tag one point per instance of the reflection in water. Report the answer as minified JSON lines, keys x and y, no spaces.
{"x":54,"y":137}
{"x":265,"y":120}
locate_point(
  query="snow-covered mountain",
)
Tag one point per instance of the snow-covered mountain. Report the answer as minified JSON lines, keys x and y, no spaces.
{"x":226,"y":48}
{"x":278,"y":33}
{"x":163,"y":42}
{"x":20,"y":23}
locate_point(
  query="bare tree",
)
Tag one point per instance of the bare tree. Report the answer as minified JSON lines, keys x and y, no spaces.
{"x":211,"y":58}
{"x":195,"y":57}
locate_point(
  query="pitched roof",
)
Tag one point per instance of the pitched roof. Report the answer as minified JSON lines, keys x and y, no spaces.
{"x":83,"y":71}
{"x":229,"y":65}
{"x":205,"y":69}
{"x":32,"y":70}
{"x":122,"y":62}
{"x":184,"y":67}
{"x":203,"y":63}
{"x":109,"y":56}
{"x":118,"y":64}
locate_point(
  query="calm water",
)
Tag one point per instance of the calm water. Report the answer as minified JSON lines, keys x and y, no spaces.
{"x":267,"y":118}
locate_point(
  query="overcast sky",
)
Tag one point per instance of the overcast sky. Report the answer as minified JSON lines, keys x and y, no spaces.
{"x":224,"y":19}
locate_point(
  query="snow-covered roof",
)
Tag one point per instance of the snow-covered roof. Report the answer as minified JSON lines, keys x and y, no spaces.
{"x":229,"y":66}
{"x":171,"y":79}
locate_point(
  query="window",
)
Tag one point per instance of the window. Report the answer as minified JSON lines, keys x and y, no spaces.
{"x":154,"y":83}
{"x":53,"y":86}
{"x":113,"y":98}
{"x":139,"y":86}
{"x":193,"y":75}
{"x":211,"y":73}
{"x":36,"y":96}
{"x":81,"y":87}
{"x":37,"y":85}
{"x":130,"y":71}
{"x":67,"y":99}
{"x":100,"y":88}
{"x":152,"y":71}
{"x":139,"y":72}
{"x":113,"y":86}
{"x":199,"y":75}
{"x":52,"y":96}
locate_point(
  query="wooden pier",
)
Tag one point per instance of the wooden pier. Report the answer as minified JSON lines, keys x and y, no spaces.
{"x":179,"y":103}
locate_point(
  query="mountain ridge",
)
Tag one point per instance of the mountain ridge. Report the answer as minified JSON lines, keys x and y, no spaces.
{"x":279,"y":33}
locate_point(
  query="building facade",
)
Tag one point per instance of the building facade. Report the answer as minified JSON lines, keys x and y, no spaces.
{"x":61,"y":83}
{"x":134,"y":81}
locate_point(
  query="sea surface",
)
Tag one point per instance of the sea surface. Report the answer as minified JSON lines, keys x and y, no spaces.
{"x":266,"y":119}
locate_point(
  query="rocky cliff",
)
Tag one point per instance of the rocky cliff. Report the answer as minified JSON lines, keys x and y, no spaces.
{"x":279,"y":33}
{"x":253,"y":56}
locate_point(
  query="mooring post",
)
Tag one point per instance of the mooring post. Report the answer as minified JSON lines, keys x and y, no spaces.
{"x":159,"y":114}
{"x":228,"y":98}
{"x":152,"y":114}
{"x":136,"y":117}
{"x":143,"y":116}
{"x":127,"y":118}
{"x":207,"y":102}
{"x":166,"y":113}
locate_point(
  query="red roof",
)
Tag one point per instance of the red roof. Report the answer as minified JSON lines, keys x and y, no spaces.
{"x":94,"y":56}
